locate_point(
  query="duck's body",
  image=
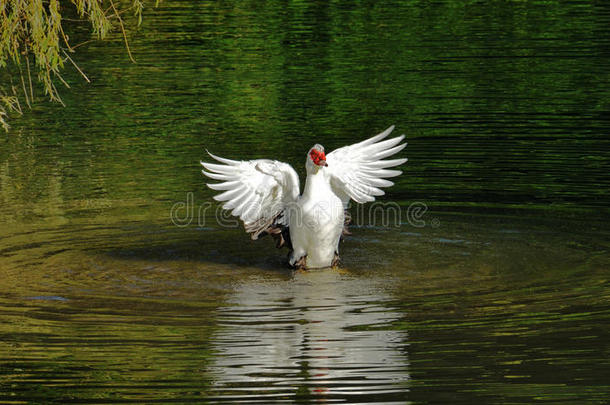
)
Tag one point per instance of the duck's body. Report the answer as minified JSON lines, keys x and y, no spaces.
{"x":265,"y":194}
{"x":316,"y":227}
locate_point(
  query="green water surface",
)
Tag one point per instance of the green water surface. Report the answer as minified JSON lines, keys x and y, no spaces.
{"x":489,"y":286}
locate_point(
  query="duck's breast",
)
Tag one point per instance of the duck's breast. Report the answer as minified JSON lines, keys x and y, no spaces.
{"x":317,"y":227}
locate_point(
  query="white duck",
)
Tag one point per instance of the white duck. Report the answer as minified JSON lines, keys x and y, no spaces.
{"x":264,"y":194}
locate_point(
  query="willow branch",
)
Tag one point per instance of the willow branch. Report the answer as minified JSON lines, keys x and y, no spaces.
{"x":116,"y":12}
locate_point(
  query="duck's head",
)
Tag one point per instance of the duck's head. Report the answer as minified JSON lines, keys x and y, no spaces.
{"x":316,"y":157}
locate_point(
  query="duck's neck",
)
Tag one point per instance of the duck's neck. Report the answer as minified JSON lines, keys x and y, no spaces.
{"x":316,"y":183}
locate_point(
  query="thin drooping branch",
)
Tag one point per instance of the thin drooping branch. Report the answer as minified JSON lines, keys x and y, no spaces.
{"x":116,"y":12}
{"x":76,"y":66}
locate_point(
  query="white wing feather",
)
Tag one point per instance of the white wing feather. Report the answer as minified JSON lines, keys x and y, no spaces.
{"x":358,"y":171}
{"x":256,"y":191}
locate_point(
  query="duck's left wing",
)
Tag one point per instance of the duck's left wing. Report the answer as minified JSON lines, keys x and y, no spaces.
{"x":359,"y":171}
{"x":259,"y":192}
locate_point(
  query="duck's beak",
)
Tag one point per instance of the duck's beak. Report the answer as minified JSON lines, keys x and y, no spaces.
{"x":323,"y":163}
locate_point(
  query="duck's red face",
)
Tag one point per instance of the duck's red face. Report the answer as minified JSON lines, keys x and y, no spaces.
{"x":318,"y":157}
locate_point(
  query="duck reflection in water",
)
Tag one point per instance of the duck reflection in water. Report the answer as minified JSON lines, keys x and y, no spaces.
{"x":320,"y":334}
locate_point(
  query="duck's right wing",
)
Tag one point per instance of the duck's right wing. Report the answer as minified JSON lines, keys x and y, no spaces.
{"x":260,"y":192}
{"x":359,"y":171}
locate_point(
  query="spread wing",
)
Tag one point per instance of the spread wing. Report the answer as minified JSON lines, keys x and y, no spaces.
{"x":259,"y":192}
{"x":358,"y":171}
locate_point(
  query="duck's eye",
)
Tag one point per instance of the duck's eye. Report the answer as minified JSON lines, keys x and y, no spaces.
{"x":315,"y":156}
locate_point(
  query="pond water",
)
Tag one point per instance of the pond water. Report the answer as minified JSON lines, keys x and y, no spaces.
{"x":489,"y":285}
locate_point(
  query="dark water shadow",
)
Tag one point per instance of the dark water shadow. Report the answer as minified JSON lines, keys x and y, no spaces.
{"x":230,"y":247}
